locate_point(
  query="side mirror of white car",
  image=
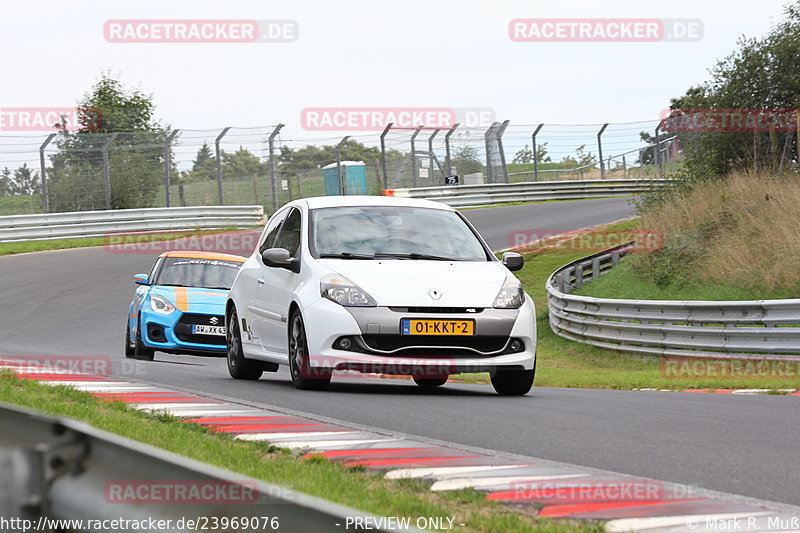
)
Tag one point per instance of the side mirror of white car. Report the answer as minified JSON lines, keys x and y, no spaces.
{"x":512,"y":260}
{"x":280,"y":258}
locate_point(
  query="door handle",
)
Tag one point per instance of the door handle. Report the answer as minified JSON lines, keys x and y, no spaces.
{"x":260,"y":281}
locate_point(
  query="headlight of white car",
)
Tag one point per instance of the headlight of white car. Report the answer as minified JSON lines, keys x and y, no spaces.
{"x":161,"y":305}
{"x":341,"y":290}
{"x":511,"y":296}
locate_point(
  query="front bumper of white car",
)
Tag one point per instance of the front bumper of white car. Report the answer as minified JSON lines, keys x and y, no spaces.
{"x":369,"y":339}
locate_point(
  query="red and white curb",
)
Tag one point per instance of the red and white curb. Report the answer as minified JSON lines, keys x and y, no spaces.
{"x":737,"y":392}
{"x":545,"y":488}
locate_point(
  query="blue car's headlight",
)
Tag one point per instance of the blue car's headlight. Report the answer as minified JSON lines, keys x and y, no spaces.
{"x":161,"y":305}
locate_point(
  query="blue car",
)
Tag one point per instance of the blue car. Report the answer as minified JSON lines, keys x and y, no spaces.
{"x":179,"y":307}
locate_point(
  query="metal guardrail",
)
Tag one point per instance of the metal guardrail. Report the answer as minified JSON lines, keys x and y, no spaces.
{"x":693,"y":328}
{"x":101,"y":223}
{"x":60,"y":469}
{"x":497,"y":193}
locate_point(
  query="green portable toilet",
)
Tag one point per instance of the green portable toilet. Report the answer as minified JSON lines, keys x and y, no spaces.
{"x":354,"y":174}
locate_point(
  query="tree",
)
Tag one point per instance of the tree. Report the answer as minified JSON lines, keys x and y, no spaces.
{"x":25,"y":181}
{"x":466,"y":161}
{"x":763,"y":73}
{"x":525,"y":155}
{"x":6,"y":183}
{"x":204,"y":166}
{"x":135,"y":155}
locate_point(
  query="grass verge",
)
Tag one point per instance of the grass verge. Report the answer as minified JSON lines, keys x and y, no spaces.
{"x":564,"y":363}
{"x":348,"y":486}
{"x":21,"y":247}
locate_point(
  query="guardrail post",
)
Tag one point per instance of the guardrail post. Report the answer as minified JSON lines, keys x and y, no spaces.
{"x":499,"y":134}
{"x":342,"y":186}
{"x":107,"y":170}
{"x":43,"y":171}
{"x":578,"y":276}
{"x":449,"y":168}
{"x":414,"y":169}
{"x":219,"y":163}
{"x":383,"y":153}
{"x":535,"y":152}
{"x":168,"y":164}
{"x":273,"y":167}
{"x":658,"y":151}
{"x":600,"y":151}
{"x":595,"y":268}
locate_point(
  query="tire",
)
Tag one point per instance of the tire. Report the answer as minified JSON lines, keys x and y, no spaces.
{"x":130,"y":350}
{"x":238,"y":366}
{"x":140,"y":351}
{"x":513,"y":382}
{"x":429,"y":383}
{"x":299,"y":364}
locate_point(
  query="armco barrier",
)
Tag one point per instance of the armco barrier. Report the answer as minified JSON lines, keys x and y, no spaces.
{"x":693,"y":328}
{"x":60,"y":469}
{"x":498,"y":193}
{"x":101,"y":223}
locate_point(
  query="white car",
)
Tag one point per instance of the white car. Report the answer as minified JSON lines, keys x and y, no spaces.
{"x":379,"y":285}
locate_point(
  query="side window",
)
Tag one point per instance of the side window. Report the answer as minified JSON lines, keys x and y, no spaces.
{"x":271,"y":231}
{"x":289,"y":237}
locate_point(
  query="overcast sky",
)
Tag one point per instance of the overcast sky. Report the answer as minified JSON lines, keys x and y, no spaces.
{"x":364,"y":54}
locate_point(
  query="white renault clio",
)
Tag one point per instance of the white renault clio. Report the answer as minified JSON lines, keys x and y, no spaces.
{"x":379,"y":285}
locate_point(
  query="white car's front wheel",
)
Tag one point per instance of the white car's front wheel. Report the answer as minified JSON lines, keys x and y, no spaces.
{"x":512,"y":382}
{"x":304,"y":376}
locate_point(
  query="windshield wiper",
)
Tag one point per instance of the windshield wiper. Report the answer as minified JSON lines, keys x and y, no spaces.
{"x":416,"y":255}
{"x":346,"y":255}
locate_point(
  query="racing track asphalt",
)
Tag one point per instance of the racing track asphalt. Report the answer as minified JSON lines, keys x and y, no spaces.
{"x":73,"y":302}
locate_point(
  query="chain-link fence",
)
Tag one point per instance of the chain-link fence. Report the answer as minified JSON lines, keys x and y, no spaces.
{"x":259,"y":165}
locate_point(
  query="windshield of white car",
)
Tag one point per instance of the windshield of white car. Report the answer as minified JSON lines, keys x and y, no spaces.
{"x":391,"y":232}
{"x":197,"y":272}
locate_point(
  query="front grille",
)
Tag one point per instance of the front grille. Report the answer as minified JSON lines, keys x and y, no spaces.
{"x":194,"y":318}
{"x":183,"y":329}
{"x":435,"y":346}
{"x":454,"y":310}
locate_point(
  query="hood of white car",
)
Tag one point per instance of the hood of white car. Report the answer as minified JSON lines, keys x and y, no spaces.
{"x":407,"y":283}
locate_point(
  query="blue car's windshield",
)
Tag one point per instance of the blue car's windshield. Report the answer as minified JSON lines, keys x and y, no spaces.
{"x":197,"y":272}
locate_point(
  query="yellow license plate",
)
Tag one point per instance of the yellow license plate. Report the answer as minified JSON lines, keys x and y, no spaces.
{"x":411,"y":326}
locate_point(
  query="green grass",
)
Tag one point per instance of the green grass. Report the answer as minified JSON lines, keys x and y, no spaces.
{"x":20,"y":205}
{"x":622,"y":282}
{"x":21,"y":247}
{"x":352,"y":487}
{"x":565,"y":363}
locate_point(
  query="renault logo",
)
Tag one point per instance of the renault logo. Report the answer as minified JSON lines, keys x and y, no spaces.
{"x":435,"y":294}
{"x":214,"y":321}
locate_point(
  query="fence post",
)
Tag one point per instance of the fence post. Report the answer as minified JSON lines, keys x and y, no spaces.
{"x":107,"y":170}
{"x":486,"y":138}
{"x":535,"y":153}
{"x":273,"y":167}
{"x":219,"y":163}
{"x":414,"y":169}
{"x":624,"y":167}
{"x":500,"y":131}
{"x":431,"y":156}
{"x":600,"y":151}
{"x":168,"y":164}
{"x":342,"y":187}
{"x":43,"y":167}
{"x":383,"y":153}
{"x":449,"y":168}
{"x":658,"y":151}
